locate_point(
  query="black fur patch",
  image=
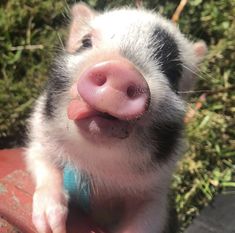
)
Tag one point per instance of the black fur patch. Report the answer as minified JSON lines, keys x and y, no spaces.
{"x":166,"y":53}
{"x":165,"y":137}
{"x":56,"y":84}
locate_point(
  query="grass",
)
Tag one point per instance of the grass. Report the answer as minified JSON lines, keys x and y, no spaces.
{"x":28,"y":31}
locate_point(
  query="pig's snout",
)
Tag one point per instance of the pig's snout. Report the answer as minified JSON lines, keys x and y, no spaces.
{"x":115,"y":87}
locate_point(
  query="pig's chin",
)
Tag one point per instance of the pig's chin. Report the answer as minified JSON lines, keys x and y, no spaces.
{"x":104,"y":126}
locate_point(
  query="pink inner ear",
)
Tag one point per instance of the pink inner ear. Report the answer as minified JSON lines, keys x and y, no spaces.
{"x":200,"y":48}
{"x":81,"y":10}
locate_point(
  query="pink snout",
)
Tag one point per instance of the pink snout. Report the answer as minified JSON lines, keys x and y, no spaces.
{"x":115,"y":87}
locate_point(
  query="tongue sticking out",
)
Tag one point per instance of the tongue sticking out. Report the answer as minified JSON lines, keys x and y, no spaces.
{"x":102,"y":123}
{"x":78,"y":110}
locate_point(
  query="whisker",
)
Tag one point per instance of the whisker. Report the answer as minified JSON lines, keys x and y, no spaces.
{"x":191,"y":91}
{"x":196,"y":72}
{"x":61,"y":42}
{"x":210,"y":92}
{"x":67,"y":9}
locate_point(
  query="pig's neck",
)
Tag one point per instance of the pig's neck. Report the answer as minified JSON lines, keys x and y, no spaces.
{"x":118,"y":170}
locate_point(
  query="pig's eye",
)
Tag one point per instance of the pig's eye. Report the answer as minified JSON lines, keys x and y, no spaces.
{"x":86,"y":41}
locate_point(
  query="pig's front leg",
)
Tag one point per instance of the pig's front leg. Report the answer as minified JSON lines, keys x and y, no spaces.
{"x":49,"y":200}
{"x":149,"y":217}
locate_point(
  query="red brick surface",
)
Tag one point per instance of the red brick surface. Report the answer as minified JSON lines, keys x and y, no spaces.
{"x":11,"y":160}
{"x":16,"y":191}
{"x":6,"y":227}
{"x":16,"y":198}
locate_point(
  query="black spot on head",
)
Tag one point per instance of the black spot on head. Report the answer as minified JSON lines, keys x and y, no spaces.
{"x":56,"y":84}
{"x":166,"y":53}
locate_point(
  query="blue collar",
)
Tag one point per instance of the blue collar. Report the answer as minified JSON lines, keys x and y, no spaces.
{"x":77,"y":184}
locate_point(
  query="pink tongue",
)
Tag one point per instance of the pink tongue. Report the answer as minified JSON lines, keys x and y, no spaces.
{"x":78,"y":110}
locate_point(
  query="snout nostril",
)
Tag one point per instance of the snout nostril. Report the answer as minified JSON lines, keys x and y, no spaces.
{"x":99,"y":79}
{"x":135,"y":91}
{"x":131,"y":91}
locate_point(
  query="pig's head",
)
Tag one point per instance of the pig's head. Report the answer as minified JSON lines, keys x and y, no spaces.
{"x":119,"y":78}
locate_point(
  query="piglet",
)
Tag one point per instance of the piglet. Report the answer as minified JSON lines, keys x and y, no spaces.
{"x":107,"y":130}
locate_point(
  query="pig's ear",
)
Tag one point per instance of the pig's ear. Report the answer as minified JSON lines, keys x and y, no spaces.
{"x":200,"y":50}
{"x":81,"y":14}
{"x":82,"y":11}
{"x":190,"y":74}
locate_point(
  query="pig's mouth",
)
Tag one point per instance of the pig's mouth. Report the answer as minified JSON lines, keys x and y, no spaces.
{"x":107,"y":116}
{"x":96,"y":123}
